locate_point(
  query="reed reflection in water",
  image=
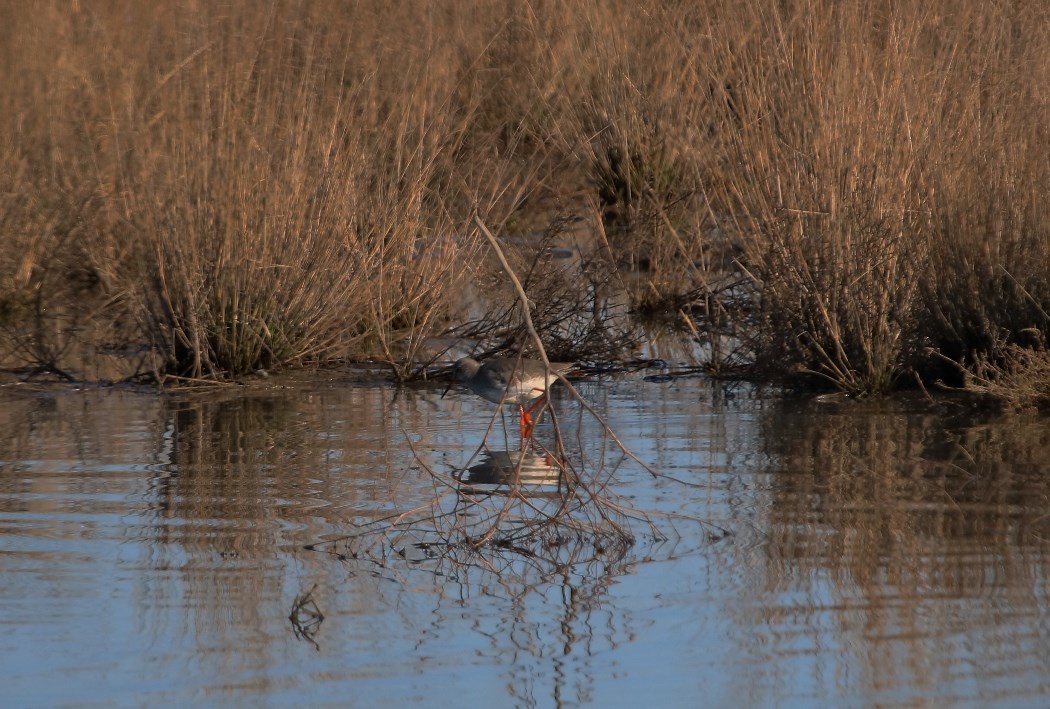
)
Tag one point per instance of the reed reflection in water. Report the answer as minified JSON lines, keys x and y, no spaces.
{"x":909,"y":543}
{"x":152,"y":548}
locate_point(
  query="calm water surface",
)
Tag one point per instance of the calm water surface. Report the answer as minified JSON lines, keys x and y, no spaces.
{"x":152,"y":549}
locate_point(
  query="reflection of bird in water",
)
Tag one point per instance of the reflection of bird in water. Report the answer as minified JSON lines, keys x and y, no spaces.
{"x":512,"y":468}
{"x":510,"y":380}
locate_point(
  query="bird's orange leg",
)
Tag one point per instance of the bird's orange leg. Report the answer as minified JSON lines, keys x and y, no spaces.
{"x":534,"y":405}
{"x":526,"y":425}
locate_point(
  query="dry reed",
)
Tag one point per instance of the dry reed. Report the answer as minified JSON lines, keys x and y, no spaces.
{"x":243,"y":188}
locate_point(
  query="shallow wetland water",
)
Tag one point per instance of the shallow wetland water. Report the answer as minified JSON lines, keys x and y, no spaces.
{"x":152,"y":548}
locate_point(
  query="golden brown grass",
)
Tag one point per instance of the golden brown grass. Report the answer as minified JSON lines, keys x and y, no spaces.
{"x":252,"y":186}
{"x":899,"y":177}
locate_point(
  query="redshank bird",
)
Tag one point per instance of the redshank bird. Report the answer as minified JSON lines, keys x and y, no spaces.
{"x":510,"y":380}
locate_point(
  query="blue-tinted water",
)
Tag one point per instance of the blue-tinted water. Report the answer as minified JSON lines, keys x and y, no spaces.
{"x":153,"y":548}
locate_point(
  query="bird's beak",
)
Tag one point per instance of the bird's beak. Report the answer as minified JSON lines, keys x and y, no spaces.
{"x":450,"y":384}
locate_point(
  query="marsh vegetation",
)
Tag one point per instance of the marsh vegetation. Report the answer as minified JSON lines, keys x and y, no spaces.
{"x":834,"y":194}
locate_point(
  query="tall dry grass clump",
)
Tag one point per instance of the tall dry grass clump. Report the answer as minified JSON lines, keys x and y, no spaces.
{"x":834,"y":130}
{"x":300,"y":188}
{"x":886,"y":180}
{"x":265,"y":207}
{"x":273,"y":187}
